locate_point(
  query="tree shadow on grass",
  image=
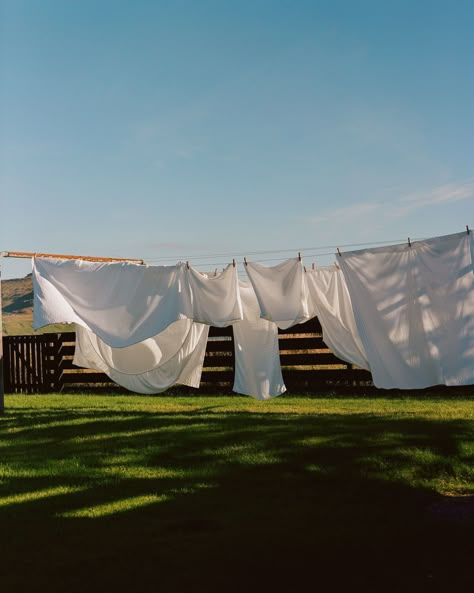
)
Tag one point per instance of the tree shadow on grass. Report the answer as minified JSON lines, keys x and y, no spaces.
{"x":207,"y":500}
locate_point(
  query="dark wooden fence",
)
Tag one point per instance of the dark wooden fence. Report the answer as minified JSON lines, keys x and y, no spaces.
{"x":43,"y":363}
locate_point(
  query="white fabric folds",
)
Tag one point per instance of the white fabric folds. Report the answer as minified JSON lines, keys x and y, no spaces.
{"x":414,"y":309}
{"x":174,"y":356}
{"x":281,"y":292}
{"x":332,"y":305}
{"x":257,"y":356}
{"x":125,"y":304}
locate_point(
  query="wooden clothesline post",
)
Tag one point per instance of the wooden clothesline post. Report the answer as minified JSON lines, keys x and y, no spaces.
{"x":24,"y":255}
{"x":27,"y":254}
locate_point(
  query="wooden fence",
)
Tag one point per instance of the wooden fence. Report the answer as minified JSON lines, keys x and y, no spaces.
{"x":43,"y":363}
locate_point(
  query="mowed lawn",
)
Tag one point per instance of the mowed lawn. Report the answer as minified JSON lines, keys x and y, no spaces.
{"x":203,"y":494}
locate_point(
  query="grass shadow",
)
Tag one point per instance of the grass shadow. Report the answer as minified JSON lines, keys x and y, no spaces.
{"x":206,"y":499}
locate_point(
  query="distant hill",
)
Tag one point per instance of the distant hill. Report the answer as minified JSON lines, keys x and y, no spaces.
{"x":17,"y":308}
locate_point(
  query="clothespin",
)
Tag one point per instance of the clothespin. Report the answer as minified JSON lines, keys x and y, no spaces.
{"x":312,"y":265}
{"x":299,"y":255}
{"x":337,"y":267}
{"x":187,"y":265}
{"x":304,"y":268}
{"x":233,"y":262}
{"x":215,"y":272}
{"x":245,"y":261}
{"x":468,"y":229}
{"x":339,"y":252}
{"x":409,"y":242}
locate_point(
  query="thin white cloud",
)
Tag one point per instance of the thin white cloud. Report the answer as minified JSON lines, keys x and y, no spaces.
{"x":445,"y":193}
{"x":437,"y":196}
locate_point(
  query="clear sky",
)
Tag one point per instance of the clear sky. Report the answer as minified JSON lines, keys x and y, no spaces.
{"x":167,"y":130}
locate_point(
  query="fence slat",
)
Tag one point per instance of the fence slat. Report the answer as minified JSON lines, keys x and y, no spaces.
{"x":320,"y":358}
{"x":43,"y":363}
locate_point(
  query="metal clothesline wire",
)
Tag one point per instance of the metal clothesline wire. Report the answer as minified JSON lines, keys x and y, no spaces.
{"x":226,"y":263}
{"x":266,"y":252}
{"x":213,"y":264}
{"x":271,"y":251}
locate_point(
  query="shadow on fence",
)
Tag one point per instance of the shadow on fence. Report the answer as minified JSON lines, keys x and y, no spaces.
{"x":43,"y":363}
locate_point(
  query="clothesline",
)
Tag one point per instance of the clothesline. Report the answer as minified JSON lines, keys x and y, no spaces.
{"x":216,"y":265}
{"x":405,"y":312}
{"x":242,"y":254}
{"x":175,"y":258}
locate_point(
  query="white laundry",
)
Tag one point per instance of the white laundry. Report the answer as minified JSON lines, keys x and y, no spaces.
{"x":215,"y":298}
{"x":471,"y":237}
{"x":257,"y":357}
{"x":414,"y":309}
{"x":175,"y":356}
{"x":281,"y":292}
{"x":124,"y":304}
{"x":332,"y":305}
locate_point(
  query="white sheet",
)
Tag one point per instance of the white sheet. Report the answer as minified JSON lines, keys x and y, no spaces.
{"x":281,"y":292}
{"x":215,"y":299}
{"x":414,"y":309}
{"x":124,"y":303}
{"x":257,"y":357}
{"x":330,"y":299}
{"x":175,"y":356}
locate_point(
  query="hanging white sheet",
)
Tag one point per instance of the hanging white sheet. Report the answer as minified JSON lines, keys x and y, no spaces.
{"x":471,"y":237}
{"x":414,"y":309}
{"x":257,"y":357}
{"x":215,"y":298}
{"x":124,"y":303}
{"x":332,"y":305}
{"x":281,"y":292}
{"x":175,"y":356}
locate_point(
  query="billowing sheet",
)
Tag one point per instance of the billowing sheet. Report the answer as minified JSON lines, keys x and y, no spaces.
{"x":176,"y":355}
{"x":414,"y":309}
{"x":257,"y":357}
{"x":124,"y":303}
{"x":281,"y":292}
{"x":332,"y":305}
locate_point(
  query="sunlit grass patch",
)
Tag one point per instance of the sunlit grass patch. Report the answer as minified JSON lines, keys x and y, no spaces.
{"x":143,"y":472}
{"x":36,"y":495}
{"x":118,"y":506}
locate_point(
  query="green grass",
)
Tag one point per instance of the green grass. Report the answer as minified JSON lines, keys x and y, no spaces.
{"x":203,"y":494}
{"x":19,"y":327}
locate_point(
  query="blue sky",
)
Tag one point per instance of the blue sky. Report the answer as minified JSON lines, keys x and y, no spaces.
{"x":168,"y":130}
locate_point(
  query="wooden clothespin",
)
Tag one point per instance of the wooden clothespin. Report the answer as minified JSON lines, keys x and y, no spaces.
{"x":245,"y":260}
{"x":468,"y":230}
{"x":409,"y":242}
{"x":337,"y":267}
{"x":312,"y":266}
{"x":187,"y":265}
{"x":299,"y":255}
{"x":339,"y":252}
{"x":215,"y":272}
{"x":233,"y":262}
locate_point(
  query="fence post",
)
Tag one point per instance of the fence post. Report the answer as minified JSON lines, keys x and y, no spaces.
{"x":50,"y":363}
{"x":58,"y":367}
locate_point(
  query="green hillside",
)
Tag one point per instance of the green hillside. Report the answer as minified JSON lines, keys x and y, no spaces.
{"x":17,"y":309}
